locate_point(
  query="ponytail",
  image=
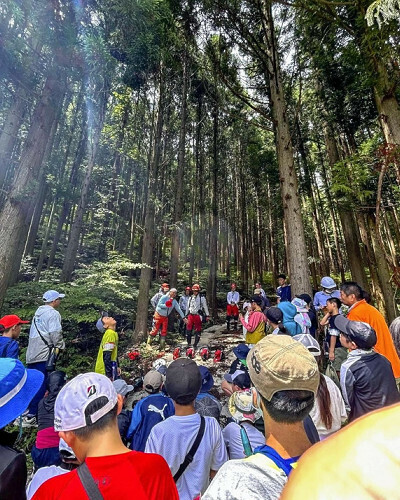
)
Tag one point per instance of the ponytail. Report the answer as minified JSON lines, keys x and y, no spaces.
{"x":324,"y":402}
{"x":282,"y":329}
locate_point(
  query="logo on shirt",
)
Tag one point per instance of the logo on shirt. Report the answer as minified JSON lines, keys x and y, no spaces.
{"x":91,"y":390}
{"x":160,"y":411}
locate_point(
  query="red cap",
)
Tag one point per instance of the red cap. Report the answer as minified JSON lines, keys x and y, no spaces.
{"x":188,"y":288}
{"x":233,"y":284}
{"x":11,"y":320}
{"x":196,"y":287}
{"x":165,"y":285}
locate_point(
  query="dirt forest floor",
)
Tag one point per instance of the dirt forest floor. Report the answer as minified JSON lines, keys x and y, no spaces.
{"x":215,"y":337}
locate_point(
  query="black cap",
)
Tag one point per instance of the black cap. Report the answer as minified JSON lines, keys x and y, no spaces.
{"x":257,"y":299}
{"x":183,"y":380}
{"x":362,"y":334}
{"x":274,"y":314}
{"x":304,"y":296}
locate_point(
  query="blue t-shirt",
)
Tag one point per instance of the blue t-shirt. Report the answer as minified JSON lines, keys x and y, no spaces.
{"x":8,"y":348}
{"x":284,"y":293}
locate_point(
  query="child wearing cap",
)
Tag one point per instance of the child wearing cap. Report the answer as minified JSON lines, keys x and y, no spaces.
{"x":244,"y":415}
{"x":124,"y":418}
{"x":285,"y":375}
{"x":149,"y":411}
{"x":366,"y":377}
{"x":17,"y":387}
{"x":107,"y":357}
{"x":10,"y":329}
{"x":174,"y":437}
{"x":86,"y":418}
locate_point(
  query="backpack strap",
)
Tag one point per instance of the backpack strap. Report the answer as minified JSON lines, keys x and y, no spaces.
{"x":191,"y":453}
{"x":41,"y":336}
{"x":89,"y":484}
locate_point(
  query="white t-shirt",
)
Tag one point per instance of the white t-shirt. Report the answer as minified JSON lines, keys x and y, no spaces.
{"x":41,"y":476}
{"x":233,"y":439}
{"x":173,"y":438}
{"x":338,"y":411}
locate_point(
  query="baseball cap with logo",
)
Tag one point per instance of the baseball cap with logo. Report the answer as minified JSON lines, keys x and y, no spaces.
{"x":17,"y":388}
{"x":73,"y":399}
{"x":362,"y":334}
{"x":241,"y":406}
{"x":152,"y":381}
{"x":239,"y":378}
{"x":280,"y":363}
{"x":51,"y":295}
{"x":11,"y":320}
{"x":122,"y":387}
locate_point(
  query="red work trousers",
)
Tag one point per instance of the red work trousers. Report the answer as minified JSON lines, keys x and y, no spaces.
{"x":194,"y":320}
{"x":159,"y":322}
{"x":232,"y":310}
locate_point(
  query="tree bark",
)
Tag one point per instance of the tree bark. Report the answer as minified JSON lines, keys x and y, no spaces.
{"x":14,"y":220}
{"x":148,"y":236}
{"x":296,"y":242}
{"x":179,"y":179}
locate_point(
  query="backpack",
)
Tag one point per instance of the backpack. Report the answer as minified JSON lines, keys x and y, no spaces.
{"x":303,"y":320}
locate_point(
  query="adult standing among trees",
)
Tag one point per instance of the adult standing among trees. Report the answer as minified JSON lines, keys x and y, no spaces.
{"x":329,"y":290}
{"x":255,"y":325}
{"x":351,"y":295}
{"x":45,"y":338}
{"x":183,"y":304}
{"x":164,"y":288}
{"x":232,"y":309}
{"x":197,"y":306}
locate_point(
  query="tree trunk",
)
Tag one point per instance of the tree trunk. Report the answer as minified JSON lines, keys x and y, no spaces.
{"x":76,"y":227}
{"x":13,"y":217}
{"x":179,"y":180}
{"x":213,"y":252}
{"x":148,"y":236}
{"x":296,"y":242}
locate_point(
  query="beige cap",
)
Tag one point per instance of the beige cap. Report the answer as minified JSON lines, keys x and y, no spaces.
{"x":152,"y":381}
{"x":279,"y":363}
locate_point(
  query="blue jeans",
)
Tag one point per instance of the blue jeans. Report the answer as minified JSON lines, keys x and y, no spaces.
{"x":41,"y":367}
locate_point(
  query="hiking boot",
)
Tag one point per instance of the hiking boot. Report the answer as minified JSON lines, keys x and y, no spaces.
{"x":162,"y":344}
{"x":28,"y":421}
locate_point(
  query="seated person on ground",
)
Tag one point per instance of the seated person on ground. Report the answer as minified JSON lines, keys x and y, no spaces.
{"x":236,"y":382}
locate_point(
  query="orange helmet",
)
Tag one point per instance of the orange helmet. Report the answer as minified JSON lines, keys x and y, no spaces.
{"x":196,"y":287}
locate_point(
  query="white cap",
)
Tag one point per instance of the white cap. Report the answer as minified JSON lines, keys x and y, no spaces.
{"x":51,"y":295}
{"x":309,"y":341}
{"x":76,"y":395}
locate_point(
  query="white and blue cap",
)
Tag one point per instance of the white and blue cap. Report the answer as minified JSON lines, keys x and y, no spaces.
{"x":73,"y":399}
{"x":18,"y":386}
{"x":328,"y":282}
{"x":51,"y":295}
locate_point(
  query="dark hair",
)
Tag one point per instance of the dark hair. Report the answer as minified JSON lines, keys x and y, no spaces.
{"x":289,"y":407}
{"x":324,"y":402}
{"x":334,"y":300}
{"x":395,"y":333}
{"x":283,"y":330}
{"x":351,"y":287}
{"x":283,"y":276}
{"x":85,"y":433}
{"x":366,"y":296}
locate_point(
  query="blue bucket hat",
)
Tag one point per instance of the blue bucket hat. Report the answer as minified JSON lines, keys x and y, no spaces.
{"x":18,"y":386}
{"x":207,"y":380}
{"x":241,"y":351}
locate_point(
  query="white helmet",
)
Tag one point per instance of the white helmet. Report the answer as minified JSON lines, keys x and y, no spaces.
{"x":327,"y":282}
